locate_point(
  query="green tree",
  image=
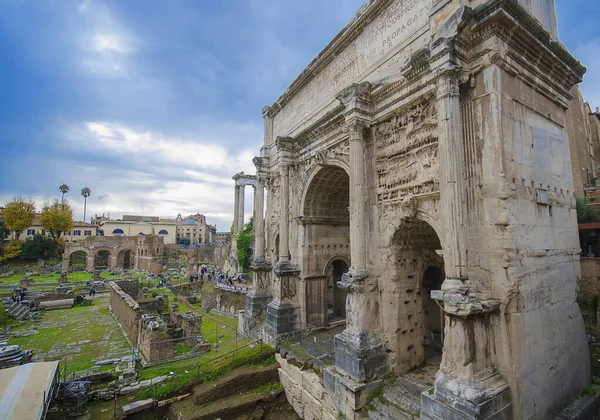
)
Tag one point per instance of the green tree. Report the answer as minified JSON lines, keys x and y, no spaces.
{"x":585,"y":212}
{"x":19,"y":214}
{"x":57,"y":218}
{"x":85,"y":192}
{"x":11,"y":250}
{"x":245,"y":240}
{"x":64,"y":188}
{"x":4,"y":231}
{"x":38,"y":247}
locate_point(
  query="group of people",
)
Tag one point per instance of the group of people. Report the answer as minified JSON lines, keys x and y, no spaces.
{"x":18,"y":295}
{"x":219,"y":276}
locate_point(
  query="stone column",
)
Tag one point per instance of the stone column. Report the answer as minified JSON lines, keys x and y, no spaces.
{"x":89,"y":263}
{"x":467,"y":386}
{"x":284,"y":217}
{"x":452,"y":184}
{"x":112,"y":262}
{"x":259,"y":220}
{"x":357,"y":352}
{"x":240,"y":215}
{"x":358,"y":234}
{"x":236,"y":197}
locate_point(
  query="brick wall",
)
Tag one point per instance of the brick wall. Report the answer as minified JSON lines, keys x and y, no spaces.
{"x":590,"y":278}
{"x":156,"y":345}
{"x":127,"y":311}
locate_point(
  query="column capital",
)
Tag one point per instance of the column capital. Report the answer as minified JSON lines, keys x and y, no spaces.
{"x":356,"y":128}
{"x":448,"y":84}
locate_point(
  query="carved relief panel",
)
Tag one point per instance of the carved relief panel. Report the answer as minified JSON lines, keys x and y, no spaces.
{"x":407,"y":153}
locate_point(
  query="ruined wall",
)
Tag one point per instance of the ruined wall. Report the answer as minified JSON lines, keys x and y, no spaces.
{"x":589,"y":285}
{"x":127,"y":311}
{"x":156,"y":345}
{"x":579,"y":146}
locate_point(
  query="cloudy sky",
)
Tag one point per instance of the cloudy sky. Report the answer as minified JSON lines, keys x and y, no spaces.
{"x":155,"y":104}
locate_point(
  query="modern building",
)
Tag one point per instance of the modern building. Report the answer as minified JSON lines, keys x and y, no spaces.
{"x":140,"y":225}
{"x":222,"y":238}
{"x":193,"y":230}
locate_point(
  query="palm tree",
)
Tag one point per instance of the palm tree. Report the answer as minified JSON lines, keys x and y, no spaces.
{"x":64,"y":188}
{"x":85,"y":192}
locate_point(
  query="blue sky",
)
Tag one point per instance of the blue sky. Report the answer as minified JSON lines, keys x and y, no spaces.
{"x":155,"y":104}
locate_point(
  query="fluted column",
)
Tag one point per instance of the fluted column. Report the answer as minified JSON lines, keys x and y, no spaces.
{"x":357,"y":196}
{"x":236,"y":197}
{"x":259,"y":221}
{"x":284,"y":217}
{"x":452,"y":185}
{"x":240,"y":215}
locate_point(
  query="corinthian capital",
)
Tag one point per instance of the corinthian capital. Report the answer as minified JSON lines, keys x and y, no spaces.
{"x":447,"y":85}
{"x":356,"y":129}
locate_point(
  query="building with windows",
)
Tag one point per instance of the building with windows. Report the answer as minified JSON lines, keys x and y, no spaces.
{"x":222,"y":238}
{"x":80,"y":231}
{"x":140,"y":225}
{"x":193,"y":230}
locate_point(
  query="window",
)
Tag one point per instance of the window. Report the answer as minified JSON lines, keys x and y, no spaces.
{"x":163,"y":232}
{"x":67,"y":233}
{"x":30,"y":232}
{"x":87,"y":233}
{"x":118,"y":232}
{"x":76,"y":233}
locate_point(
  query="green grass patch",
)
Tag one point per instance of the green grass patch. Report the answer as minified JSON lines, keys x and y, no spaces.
{"x":588,"y":391}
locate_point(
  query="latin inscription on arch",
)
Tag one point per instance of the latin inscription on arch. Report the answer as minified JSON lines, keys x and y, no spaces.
{"x":395,"y":24}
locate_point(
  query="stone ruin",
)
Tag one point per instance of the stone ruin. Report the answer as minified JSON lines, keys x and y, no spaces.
{"x":420,"y":187}
{"x":151,"y":325}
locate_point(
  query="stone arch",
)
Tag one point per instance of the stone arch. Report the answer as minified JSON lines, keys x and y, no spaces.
{"x":336,"y":296}
{"x":414,"y":253}
{"x":322,"y":184}
{"x":326,"y":236}
{"x":78,"y":256}
{"x":102,"y":258}
{"x":125,"y":258}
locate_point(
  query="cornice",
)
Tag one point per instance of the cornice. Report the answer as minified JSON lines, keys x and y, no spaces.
{"x":346,"y":36}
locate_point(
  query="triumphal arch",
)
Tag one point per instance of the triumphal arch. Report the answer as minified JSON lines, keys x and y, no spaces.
{"x":419,"y":185}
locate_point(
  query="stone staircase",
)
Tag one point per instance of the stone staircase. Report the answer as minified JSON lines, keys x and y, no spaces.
{"x":401,"y":400}
{"x":17,"y":311}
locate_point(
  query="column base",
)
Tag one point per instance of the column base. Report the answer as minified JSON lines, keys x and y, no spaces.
{"x":487,"y":399}
{"x":283,"y":317}
{"x":360,"y":355}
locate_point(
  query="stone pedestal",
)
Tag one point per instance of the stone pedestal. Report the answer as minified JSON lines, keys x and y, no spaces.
{"x":488,"y":398}
{"x":358,"y":352}
{"x":360,"y":355}
{"x":254,"y":314}
{"x":283,"y":313}
{"x":467,"y":386}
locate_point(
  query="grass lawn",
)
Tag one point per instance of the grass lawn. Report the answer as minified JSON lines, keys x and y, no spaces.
{"x":76,"y":335}
{"x":53,"y":278}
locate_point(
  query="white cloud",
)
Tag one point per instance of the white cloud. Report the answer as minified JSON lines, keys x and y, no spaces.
{"x":589,"y":54}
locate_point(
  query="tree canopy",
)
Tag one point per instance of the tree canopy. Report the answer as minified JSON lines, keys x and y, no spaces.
{"x":245,"y":240}
{"x":57,"y":218}
{"x":585,"y":212}
{"x":4,"y":231}
{"x":19,"y":214}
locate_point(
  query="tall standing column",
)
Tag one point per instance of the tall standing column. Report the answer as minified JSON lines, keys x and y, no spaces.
{"x":452,"y":185}
{"x":236,"y":197}
{"x":259,"y":220}
{"x":357,"y":197}
{"x":240,"y":214}
{"x":284,"y":217}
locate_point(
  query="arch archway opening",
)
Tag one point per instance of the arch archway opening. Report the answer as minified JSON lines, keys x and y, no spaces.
{"x":336,"y":296}
{"x":78,"y":259}
{"x":101,"y":260}
{"x":124,"y":259}
{"x":418,"y":269}
{"x":326,"y":250}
